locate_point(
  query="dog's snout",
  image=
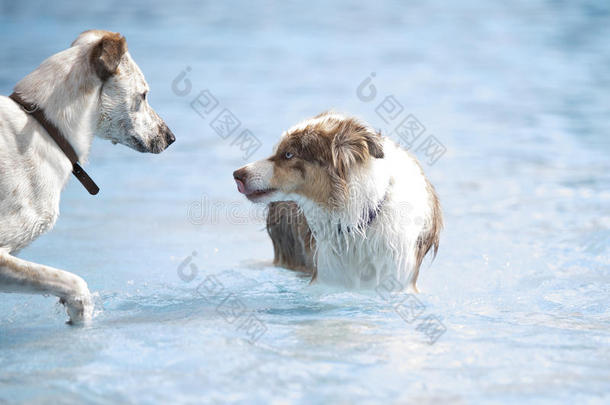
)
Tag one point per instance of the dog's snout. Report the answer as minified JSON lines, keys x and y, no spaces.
{"x":162,"y":139}
{"x":240,"y":176}
{"x":169,"y":136}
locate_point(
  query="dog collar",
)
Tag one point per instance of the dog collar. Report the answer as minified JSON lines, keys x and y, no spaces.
{"x":60,"y":140}
{"x":369,"y":216}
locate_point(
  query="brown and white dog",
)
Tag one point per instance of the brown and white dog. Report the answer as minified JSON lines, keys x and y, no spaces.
{"x":345,"y":203}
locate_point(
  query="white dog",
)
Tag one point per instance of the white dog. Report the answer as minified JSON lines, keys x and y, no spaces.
{"x":46,"y":128}
{"x":369,"y":211}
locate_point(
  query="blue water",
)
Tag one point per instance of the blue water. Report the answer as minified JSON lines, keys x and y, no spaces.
{"x":519,"y":96}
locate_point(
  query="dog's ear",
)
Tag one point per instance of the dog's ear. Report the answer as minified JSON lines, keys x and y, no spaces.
{"x":354,"y":143}
{"x":375,"y":145}
{"x":106,"y":55}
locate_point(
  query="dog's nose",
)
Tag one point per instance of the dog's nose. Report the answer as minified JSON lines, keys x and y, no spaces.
{"x":169,"y":137}
{"x":240,"y":176}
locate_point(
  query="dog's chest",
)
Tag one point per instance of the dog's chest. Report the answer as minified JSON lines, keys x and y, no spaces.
{"x":354,"y":265}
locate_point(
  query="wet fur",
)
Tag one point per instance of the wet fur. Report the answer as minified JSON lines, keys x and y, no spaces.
{"x":293,"y":243}
{"x":341,"y":171}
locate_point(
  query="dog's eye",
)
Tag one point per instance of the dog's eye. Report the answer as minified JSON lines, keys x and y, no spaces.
{"x":288,"y":155}
{"x":143,"y":95}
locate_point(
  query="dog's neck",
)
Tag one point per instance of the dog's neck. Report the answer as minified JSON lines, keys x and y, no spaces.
{"x":368,"y":189}
{"x":68,"y":96}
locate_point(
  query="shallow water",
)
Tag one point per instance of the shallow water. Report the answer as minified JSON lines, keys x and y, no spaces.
{"x":519,"y":95}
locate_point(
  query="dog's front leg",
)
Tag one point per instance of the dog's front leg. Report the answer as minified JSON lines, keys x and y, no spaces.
{"x":21,"y":276}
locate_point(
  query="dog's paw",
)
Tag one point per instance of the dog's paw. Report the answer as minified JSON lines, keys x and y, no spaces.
{"x":79,"y":307}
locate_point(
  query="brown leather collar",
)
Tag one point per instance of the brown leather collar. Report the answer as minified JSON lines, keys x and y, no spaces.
{"x":60,"y":140}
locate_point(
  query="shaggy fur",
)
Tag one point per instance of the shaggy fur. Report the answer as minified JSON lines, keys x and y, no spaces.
{"x":293,"y":243}
{"x":370,"y":211}
{"x":92,"y":88}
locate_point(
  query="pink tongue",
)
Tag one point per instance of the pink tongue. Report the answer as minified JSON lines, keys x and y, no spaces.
{"x":240,"y":186}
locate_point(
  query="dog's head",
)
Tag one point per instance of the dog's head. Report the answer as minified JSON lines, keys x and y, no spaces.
{"x":313,"y":160}
{"x":125,"y":116}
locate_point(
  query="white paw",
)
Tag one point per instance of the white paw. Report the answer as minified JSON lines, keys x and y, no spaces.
{"x":79,"y":307}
